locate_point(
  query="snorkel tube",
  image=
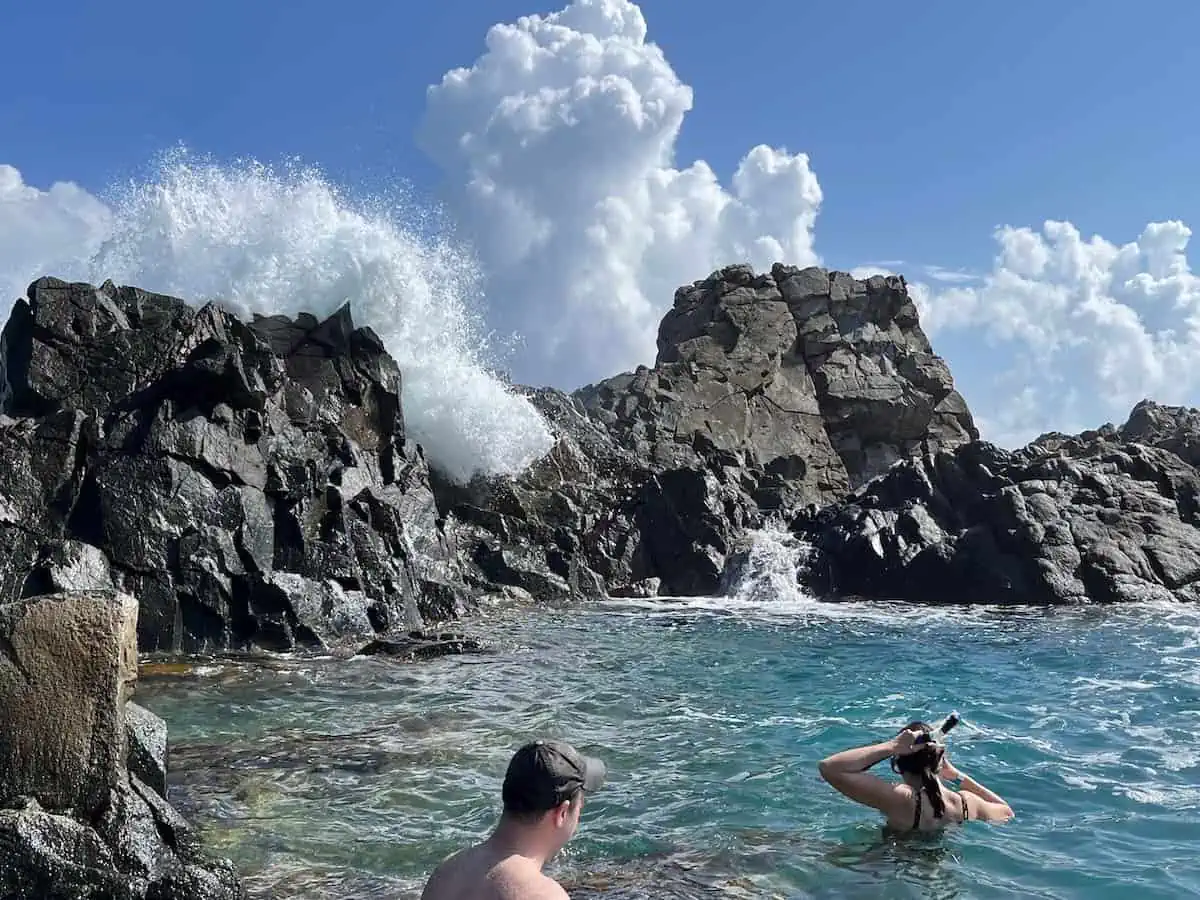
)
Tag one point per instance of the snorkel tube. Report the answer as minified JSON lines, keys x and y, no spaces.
{"x":940,"y":732}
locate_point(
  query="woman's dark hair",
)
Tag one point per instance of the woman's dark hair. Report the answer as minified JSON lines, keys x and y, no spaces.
{"x":924,"y":763}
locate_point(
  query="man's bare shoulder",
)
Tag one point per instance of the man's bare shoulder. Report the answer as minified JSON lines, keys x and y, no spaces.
{"x":518,"y":879}
{"x":437,"y":884}
{"x":455,"y":874}
{"x":472,"y":875}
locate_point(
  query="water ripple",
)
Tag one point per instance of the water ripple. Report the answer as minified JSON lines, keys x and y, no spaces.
{"x":334,"y":780}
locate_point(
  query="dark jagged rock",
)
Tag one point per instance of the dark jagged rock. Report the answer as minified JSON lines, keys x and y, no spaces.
{"x":770,"y":392}
{"x":809,"y":376}
{"x":250,"y":484}
{"x":590,"y":518}
{"x":417,"y":646}
{"x":1065,"y":520}
{"x":1174,"y":428}
{"x":146,"y":734}
{"x":75,"y":820}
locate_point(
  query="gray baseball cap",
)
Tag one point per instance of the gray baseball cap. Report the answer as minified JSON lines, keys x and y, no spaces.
{"x":543,"y":774}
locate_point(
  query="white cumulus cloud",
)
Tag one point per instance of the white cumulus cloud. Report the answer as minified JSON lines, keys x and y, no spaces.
{"x":1067,"y":332}
{"x":557,"y":147}
{"x":44,"y":231}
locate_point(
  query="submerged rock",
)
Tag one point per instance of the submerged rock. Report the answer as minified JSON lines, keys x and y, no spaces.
{"x":423,"y":646}
{"x":76,"y":821}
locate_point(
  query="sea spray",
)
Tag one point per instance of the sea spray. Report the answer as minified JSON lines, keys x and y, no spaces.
{"x":264,"y":239}
{"x":766,"y":568}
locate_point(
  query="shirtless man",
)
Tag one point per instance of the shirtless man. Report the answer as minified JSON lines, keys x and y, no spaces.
{"x":543,"y":799}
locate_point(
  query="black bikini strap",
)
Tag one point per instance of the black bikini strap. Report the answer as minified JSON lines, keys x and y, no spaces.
{"x":966,"y":810}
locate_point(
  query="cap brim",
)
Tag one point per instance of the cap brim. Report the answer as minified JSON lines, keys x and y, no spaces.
{"x":594,"y":774}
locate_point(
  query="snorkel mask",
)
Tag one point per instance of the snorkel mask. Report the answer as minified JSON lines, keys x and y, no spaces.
{"x":932,"y":748}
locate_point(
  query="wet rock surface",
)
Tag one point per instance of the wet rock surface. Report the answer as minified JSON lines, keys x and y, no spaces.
{"x":1065,"y":520}
{"x":771,"y":391}
{"x":250,"y":484}
{"x":76,"y":820}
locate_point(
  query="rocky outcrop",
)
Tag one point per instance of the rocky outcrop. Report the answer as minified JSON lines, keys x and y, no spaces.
{"x":817,"y":381}
{"x":591,"y":518}
{"x":1173,"y":428}
{"x":1066,"y":520}
{"x":771,"y":392}
{"x":250,"y":484}
{"x":76,"y":821}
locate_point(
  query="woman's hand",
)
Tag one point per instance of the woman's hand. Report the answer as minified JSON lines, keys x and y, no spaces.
{"x":905,"y":742}
{"x":947,"y":770}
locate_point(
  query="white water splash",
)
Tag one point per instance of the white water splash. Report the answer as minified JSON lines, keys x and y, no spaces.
{"x":286,"y":241}
{"x":768,"y":572}
{"x":760,"y":584}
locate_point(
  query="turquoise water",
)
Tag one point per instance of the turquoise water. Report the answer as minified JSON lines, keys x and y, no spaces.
{"x":328,"y":779}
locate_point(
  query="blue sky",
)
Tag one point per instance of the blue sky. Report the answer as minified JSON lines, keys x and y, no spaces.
{"x":928,"y":126}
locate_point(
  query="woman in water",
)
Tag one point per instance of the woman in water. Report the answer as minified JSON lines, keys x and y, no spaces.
{"x":921,"y":802}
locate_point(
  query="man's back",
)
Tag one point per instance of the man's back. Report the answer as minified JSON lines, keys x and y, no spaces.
{"x":481,"y":873}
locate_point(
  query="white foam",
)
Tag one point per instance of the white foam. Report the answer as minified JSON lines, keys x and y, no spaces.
{"x":775,"y":556}
{"x":286,"y":241}
{"x":1113,"y":684}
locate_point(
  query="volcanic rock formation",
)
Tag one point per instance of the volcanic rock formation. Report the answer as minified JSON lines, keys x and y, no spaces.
{"x":1109,"y":515}
{"x":771,"y":392}
{"x":83,"y":808}
{"x":250,"y":484}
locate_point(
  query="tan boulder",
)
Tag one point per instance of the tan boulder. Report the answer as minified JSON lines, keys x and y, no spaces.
{"x":67,"y":666}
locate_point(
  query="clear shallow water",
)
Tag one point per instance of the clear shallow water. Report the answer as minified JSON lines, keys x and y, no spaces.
{"x":330,"y":779}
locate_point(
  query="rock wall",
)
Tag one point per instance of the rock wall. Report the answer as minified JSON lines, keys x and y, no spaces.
{"x":248,"y":483}
{"x":251,"y":483}
{"x":1094,"y":518}
{"x":771,"y":392}
{"x":83,"y":807}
